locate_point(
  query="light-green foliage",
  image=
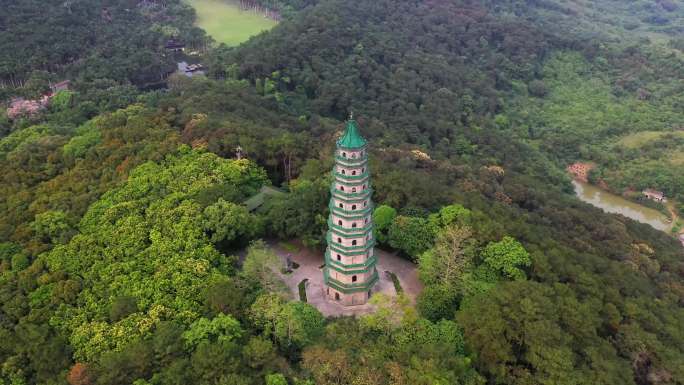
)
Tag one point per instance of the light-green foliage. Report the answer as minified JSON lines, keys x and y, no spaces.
{"x":383,"y":216}
{"x":264,"y":312}
{"x":87,"y":136}
{"x":222,"y":328}
{"x":61,"y":100}
{"x":227,"y":222}
{"x":292,"y":324}
{"x":52,"y":225}
{"x":454,"y":213}
{"x":452,"y":253}
{"x":412,"y":235}
{"x":275,"y":379}
{"x":261,"y":265}
{"x":298,"y":324}
{"x":423,"y":332}
{"x":22,"y":137}
{"x":145,"y":239}
{"x":507,"y":257}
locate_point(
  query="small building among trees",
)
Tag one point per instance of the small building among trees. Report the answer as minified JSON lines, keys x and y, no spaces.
{"x":655,"y":195}
{"x":175,"y":45}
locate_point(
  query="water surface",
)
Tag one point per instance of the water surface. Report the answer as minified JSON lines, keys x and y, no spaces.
{"x":615,"y":204}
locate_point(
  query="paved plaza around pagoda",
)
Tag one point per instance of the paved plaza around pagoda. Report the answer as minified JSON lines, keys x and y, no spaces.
{"x":310,"y":263}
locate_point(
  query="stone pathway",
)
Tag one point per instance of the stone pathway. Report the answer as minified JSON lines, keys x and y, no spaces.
{"x":310,"y":263}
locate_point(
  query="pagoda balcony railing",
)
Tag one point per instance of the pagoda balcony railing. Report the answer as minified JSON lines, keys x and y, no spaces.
{"x":339,"y":233}
{"x":351,"y":161}
{"x":346,"y":269}
{"x":363,"y":175}
{"x":350,"y":230}
{"x":352,"y":248}
{"x":353,"y":217}
{"x":353,"y":200}
{"x":353,"y":183}
{"x":361,"y":148}
{"x":351,"y":195}
{"x":359,"y":213}
{"x":363,"y":251}
{"x":350,"y":287}
{"x":367,"y":263}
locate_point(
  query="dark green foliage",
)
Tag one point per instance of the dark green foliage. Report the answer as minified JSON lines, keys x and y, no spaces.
{"x":230,"y":297}
{"x":395,"y":281}
{"x":301,"y":213}
{"x":117,"y":41}
{"x":302,"y":289}
{"x":122,"y":307}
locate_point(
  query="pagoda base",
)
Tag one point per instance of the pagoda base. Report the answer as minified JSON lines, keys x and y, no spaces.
{"x":348,"y":299}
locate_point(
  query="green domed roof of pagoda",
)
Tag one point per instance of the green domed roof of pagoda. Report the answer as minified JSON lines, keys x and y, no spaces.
{"x":351,"y":137}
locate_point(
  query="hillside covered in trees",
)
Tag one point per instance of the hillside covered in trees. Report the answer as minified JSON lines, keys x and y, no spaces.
{"x":127,"y":257}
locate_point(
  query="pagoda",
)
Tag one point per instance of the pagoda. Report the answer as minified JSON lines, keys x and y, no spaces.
{"x":350,"y":272}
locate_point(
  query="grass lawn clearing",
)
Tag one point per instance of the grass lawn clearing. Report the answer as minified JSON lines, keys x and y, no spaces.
{"x":227,"y":23}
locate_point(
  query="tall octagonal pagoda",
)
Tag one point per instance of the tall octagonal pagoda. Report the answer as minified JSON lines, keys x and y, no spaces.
{"x":350,"y":271}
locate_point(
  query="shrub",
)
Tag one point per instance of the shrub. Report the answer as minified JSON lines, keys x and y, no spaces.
{"x":302,"y":290}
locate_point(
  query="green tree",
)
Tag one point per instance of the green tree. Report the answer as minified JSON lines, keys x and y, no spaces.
{"x":383,"y":216}
{"x":411,"y":235}
{"x":222,"y":328}
{"x":298,"y":324}
{"x":508,"y":257}
{"x":275,"y":379}
{"x":261,"y":266}
{"x":446,"y":261}
{"x":226,"y":223}
{"x":450,"y":214}
{"x":264,"y":312}
{"x":52,"y":226}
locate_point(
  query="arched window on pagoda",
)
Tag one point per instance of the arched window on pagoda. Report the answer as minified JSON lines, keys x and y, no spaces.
{"x":339,"y":240}
{"x":339,"y":257}
{"x":342,"y":188}
{"x":353,"y":189}
{"x":353,"y":278}
{"x":365,"y":203}
{"x":339,"y":223}
{"x":366,"y":221}
{"x":344,"y":154}
{"x":341,"y":205}
{"x":353,"y":207}
{"x":344,"y":172}
{"x":354,"y":224}
{"x":354,"y":172}
{"x":354,"y":242}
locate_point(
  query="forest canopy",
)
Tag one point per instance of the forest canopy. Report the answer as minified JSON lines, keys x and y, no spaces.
{"x":128,"y":256}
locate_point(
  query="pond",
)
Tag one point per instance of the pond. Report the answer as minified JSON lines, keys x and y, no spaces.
{"x":615,"y":204}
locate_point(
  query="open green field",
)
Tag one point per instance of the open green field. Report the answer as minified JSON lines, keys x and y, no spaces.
{"x":227,"y":23}
{"x":638,"y":139}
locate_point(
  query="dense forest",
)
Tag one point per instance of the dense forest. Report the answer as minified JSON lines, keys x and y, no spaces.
{"x":127,"y":256}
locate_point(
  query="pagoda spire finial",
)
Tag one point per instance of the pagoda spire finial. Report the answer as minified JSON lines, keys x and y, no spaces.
{"x":351,"y":137}
{"x":351,"y":114}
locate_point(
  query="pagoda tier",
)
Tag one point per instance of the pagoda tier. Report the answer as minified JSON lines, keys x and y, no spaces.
{"x":350,"y":272}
